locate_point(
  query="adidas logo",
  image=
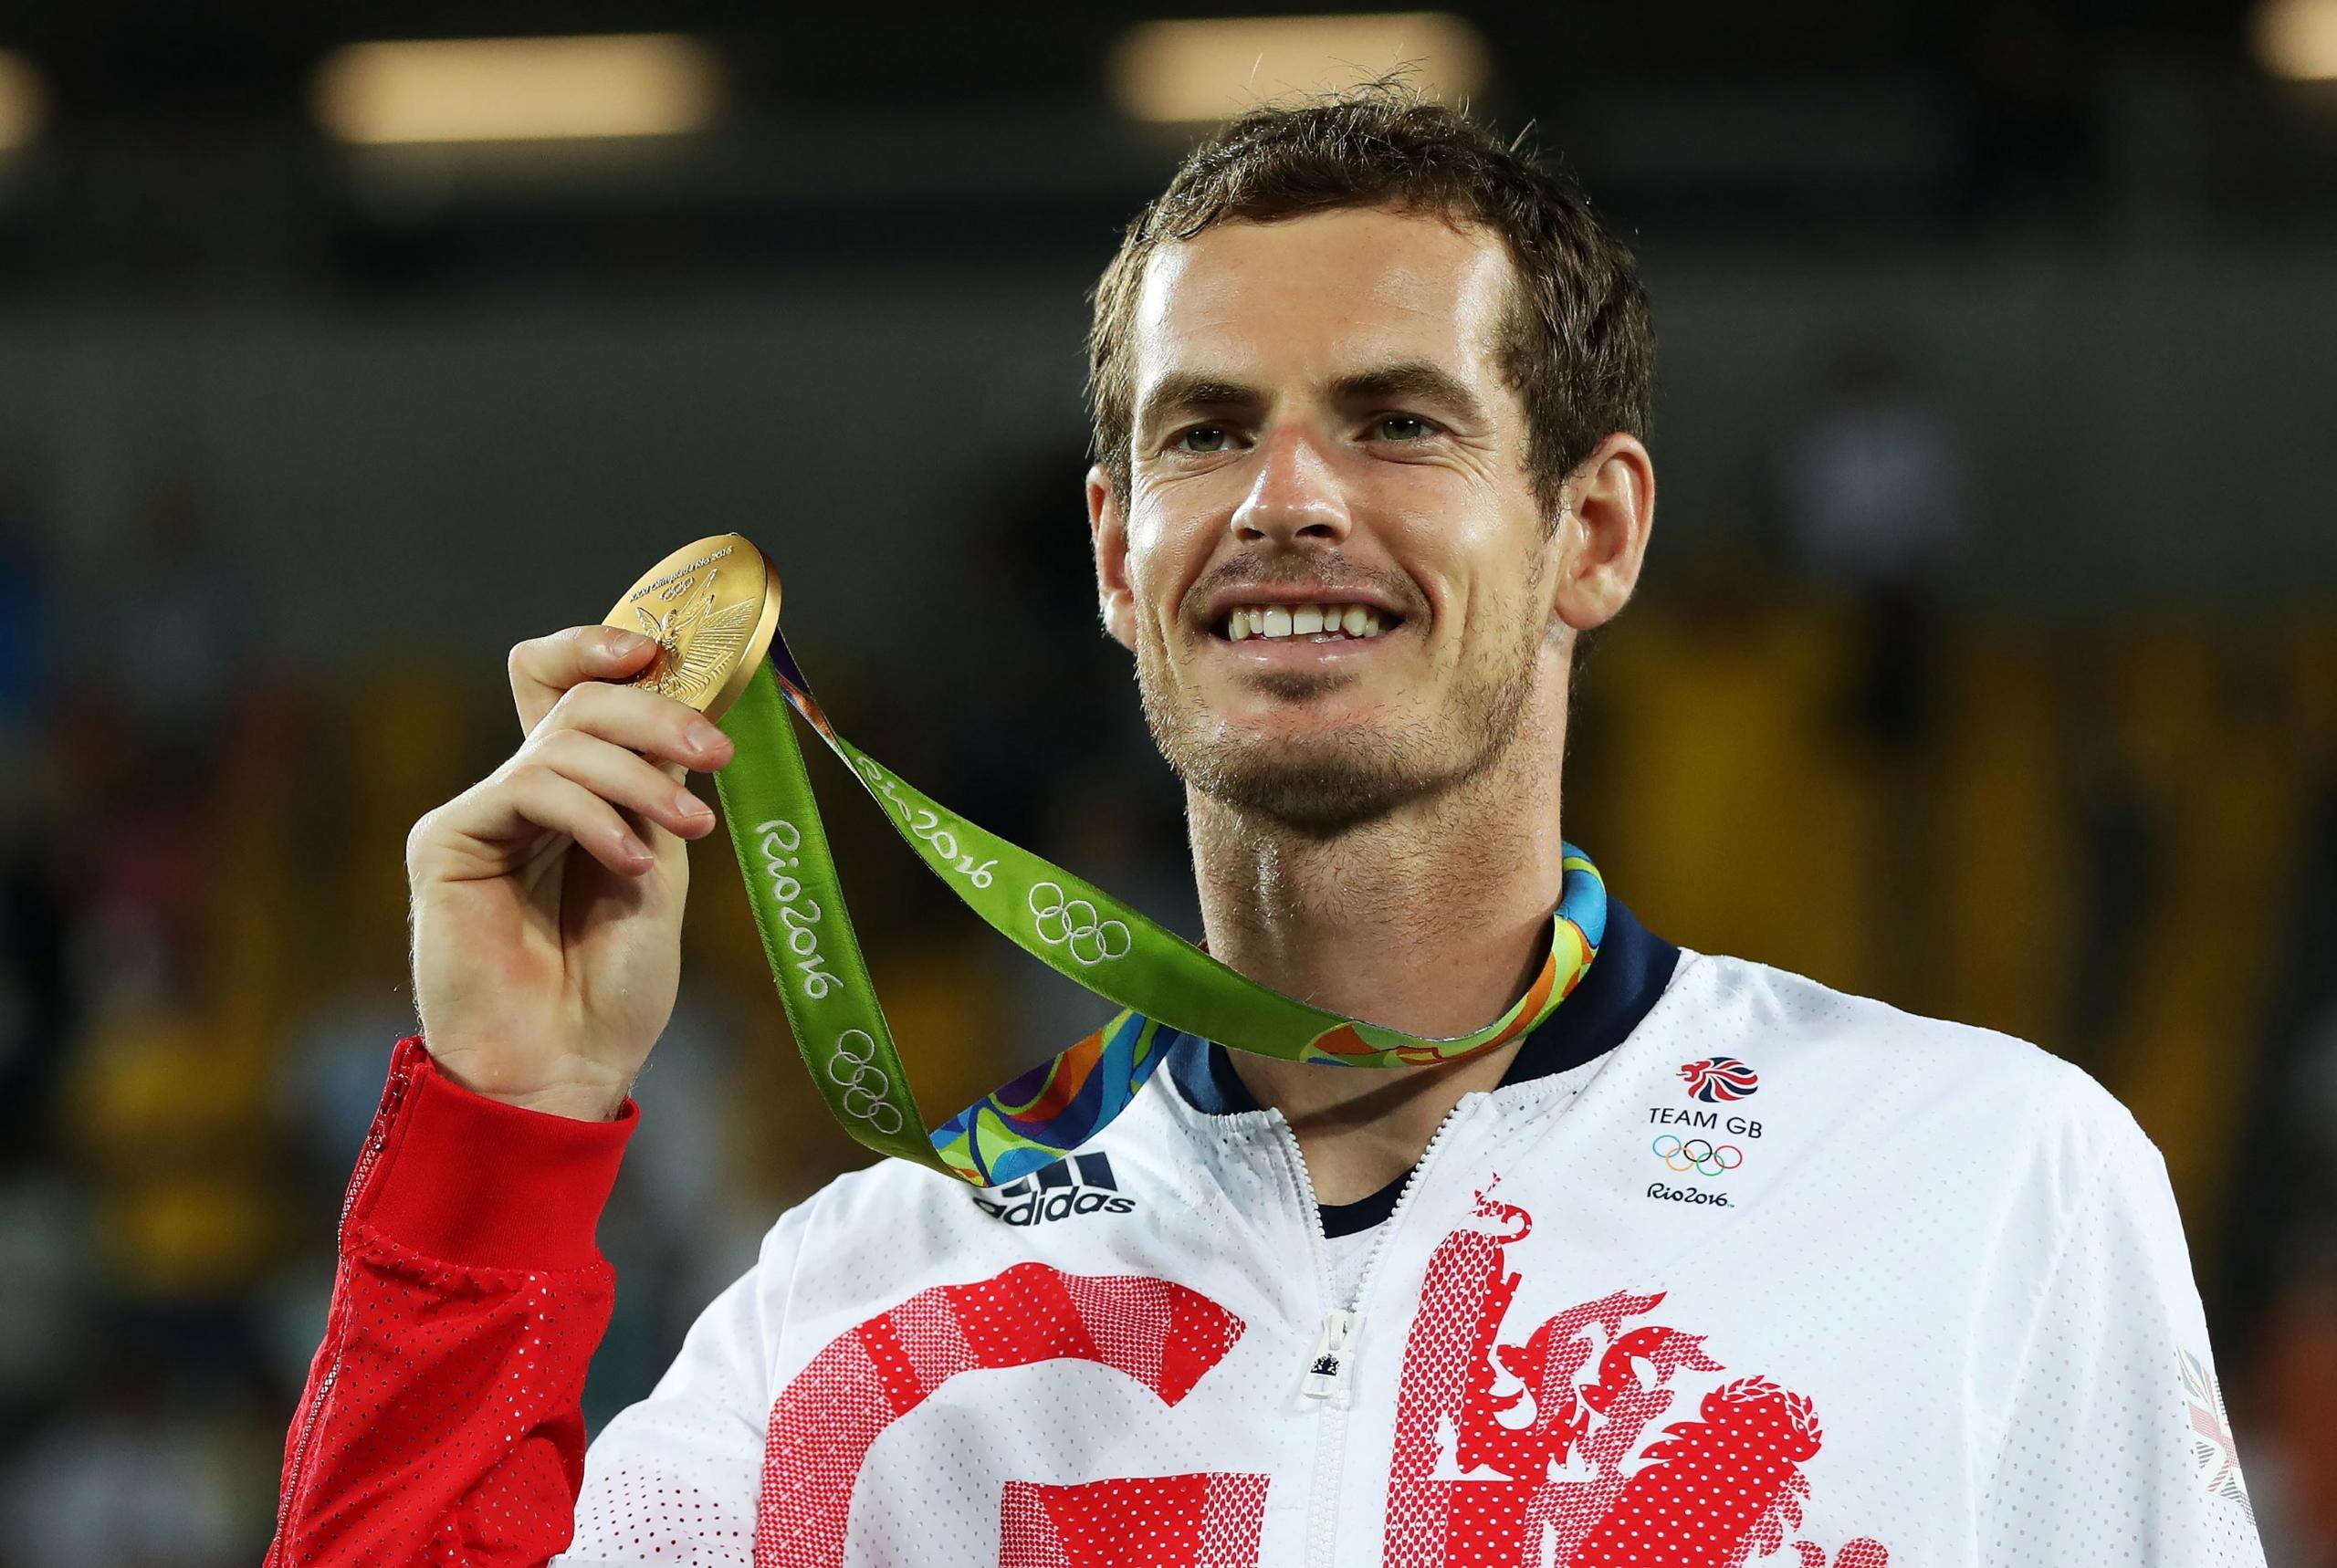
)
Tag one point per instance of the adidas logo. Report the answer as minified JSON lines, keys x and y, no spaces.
{"x":1080,"y":1185}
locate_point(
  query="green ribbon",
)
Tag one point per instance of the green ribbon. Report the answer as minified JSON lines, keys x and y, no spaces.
{"x":1164,"y":984}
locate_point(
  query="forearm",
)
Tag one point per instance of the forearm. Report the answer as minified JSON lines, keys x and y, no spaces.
{"x":442,"y":1415}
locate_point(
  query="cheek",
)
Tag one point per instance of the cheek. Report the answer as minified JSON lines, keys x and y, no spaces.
{"x":1479,"y":583}
{"x":1160,"y":558}
{"x":1144,"y":568}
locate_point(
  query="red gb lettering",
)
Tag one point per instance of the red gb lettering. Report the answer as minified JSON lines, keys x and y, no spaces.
{"x":1170,"y":1521}
{"x":1164,"y":1335}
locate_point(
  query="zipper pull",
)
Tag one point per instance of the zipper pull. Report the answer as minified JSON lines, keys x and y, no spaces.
{"x":1327,"y":1372}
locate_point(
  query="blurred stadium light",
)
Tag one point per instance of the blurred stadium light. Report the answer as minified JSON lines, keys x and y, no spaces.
{"x":1203,"y":70}
{"x":516,"y":89}
{"x":24,"y":100}
{"x":2298,"y":38}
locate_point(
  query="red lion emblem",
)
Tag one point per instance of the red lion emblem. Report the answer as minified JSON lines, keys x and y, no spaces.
{"x":1718,"y":1078}
{"x":1545,"y":1458}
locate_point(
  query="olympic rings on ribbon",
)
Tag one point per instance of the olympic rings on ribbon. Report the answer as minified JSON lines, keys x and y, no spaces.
{"x":1698,"y":1155}
{"x":1073,"y":924}
{"x":868,"y":1103}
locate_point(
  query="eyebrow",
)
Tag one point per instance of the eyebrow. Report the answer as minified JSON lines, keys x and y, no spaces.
{"x":1186,"y":390}
{"x":1409,"y":379}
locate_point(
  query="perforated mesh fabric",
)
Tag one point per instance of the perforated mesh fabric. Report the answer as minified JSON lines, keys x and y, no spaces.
{"x":1932,"y":1306}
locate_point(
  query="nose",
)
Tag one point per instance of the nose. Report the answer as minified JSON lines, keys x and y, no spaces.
{"x":1295,"y":495}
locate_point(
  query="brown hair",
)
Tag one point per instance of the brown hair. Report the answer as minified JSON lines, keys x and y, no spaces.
{"x":1578,"y":349}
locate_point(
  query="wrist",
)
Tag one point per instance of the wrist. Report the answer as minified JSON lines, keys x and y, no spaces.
{"x":601,"y":1098}
{"x":576,"y":1102}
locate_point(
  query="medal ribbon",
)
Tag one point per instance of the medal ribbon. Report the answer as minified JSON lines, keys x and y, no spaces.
{"x":1164,"y":984}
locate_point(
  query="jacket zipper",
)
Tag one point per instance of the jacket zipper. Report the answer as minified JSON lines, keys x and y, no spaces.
{"x":376,"y":1138}
{"x":1327,"y":1369}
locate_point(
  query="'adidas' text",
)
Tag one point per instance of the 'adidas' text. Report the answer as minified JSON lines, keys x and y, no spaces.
{"x":1080,"y":1185}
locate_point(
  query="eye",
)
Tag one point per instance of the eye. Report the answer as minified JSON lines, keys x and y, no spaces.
{"x":1201,"y":438}
{"x":1401,"y":427}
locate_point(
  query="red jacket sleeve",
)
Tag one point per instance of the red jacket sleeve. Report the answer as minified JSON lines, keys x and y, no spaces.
{"x":442,"y":1421}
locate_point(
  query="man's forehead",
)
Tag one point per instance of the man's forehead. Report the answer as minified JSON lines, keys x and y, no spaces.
{"x":1321,"y":293}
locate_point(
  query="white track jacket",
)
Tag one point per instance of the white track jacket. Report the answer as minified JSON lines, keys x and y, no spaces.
{"x":1733,"y":1270}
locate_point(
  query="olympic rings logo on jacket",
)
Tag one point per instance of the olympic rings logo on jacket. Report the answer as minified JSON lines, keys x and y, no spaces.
{"x":1697,"y":1154}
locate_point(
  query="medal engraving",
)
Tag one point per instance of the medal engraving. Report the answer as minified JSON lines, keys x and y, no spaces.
{"x":711,"y":608}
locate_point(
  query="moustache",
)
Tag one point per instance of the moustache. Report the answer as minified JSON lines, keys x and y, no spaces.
{"x":1328,"y":576}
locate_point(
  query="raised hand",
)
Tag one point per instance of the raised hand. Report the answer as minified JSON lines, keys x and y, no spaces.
{"x":547,"y":898}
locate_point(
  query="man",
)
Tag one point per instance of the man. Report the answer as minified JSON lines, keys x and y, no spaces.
{"x":1710,"y":1265}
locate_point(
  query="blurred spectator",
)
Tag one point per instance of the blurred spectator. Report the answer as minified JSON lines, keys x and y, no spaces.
{"x":197,"y":622}
{"x":24,"y":671}
{"x":2292,"y":1383}
{"x":2294,"y":1454}
{"x":1029,"y":547}
{"x":682,"y":1224}
{"x":35,"y":1001}
{"x":1873,"y":485}
{"x":144,"y":1474}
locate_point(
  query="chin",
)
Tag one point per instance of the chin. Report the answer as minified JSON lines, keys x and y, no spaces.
{"x":1312,"y":801}
{"x":1315,"y":779}
{"x":1309,"y":752}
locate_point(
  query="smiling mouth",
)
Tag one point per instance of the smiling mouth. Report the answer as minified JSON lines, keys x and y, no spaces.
{"x":1328,"y":623}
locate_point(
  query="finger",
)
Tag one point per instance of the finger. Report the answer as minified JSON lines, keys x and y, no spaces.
{"x":640,"y":720}
{"x":543,"y":668}
{"x":622,"y":778}
{"x":484,"y":831}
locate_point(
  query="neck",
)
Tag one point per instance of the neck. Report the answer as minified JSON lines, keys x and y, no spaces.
{"x":1431,"y":920}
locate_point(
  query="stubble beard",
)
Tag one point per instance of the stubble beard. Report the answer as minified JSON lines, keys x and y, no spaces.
{"x":1326,"y":786}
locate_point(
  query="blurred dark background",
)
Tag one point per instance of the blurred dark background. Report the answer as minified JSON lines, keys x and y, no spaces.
{"x":1987,"y":659}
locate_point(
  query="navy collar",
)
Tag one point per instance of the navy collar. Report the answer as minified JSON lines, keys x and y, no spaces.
{"x":1632,"y":967}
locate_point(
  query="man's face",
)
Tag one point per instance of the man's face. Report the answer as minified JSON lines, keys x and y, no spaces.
{"x":1321,"y":428}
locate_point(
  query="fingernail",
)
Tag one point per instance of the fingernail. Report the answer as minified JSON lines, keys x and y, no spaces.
{"x":704,"y":738}
{"x":634,"y":850}
{"x":691,"y":808}
{"x":625,"y":644}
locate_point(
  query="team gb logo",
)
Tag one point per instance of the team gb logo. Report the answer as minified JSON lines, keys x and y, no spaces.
{"x":1719,"y":1078}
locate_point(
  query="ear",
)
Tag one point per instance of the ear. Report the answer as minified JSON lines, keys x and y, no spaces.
{"x":1601,"y":541}
{"x":1108,"y":531}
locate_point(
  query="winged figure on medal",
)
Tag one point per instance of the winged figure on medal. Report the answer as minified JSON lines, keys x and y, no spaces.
{"x":697,"y":643}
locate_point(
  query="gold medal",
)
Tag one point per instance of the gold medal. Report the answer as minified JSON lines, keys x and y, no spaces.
{"x":711,"y":608}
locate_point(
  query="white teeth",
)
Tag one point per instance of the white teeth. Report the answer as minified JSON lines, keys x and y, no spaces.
{"x":1302,"y":620}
